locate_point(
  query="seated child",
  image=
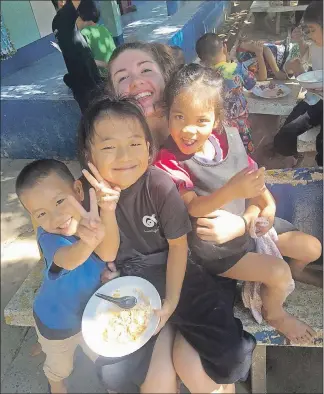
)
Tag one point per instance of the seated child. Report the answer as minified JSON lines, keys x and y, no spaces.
{"x":213,"y":53}
{"x":154,"y":223}
{"x":97,"y":36}
{"x":213,"y":177}
{"x":75,"y":244}
{"x":309,"y":112}
{"x":278,"y":60}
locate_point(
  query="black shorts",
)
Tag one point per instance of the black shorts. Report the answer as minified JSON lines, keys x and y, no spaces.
{"x":220,"y":266}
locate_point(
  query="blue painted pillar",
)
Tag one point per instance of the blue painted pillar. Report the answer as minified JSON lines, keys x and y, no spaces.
{"x":110,"y":17}
{"x":172,"y":6}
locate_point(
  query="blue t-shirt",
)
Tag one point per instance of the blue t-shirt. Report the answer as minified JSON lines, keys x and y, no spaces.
{"x":63,"y":295}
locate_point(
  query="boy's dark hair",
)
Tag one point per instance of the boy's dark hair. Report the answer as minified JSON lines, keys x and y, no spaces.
{"x":178,"y":55}
{"x":88,"y":11}
{"x":162,"y":56}
{"x":314,"y":13}
{"x":208,"y":46}
{"x":202,"y":80}
{"x":33,"y":172}
{"x":108,"y":106}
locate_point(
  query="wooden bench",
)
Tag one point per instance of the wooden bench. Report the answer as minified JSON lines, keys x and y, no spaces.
{"x":299,"y":196}
{"x":267,"y":6}
{"x":307,"y":142}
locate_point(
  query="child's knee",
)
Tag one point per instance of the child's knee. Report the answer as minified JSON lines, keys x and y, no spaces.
{"x":280,"y":274}
{"x":314,"y":248}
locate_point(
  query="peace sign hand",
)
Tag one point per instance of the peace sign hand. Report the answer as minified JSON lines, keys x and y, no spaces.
{"x":91,"y":230}
{"x":107,"y":197}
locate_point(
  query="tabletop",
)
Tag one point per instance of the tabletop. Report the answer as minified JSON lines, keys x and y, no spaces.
{"x":278,"y":106}
{"x":264,"y":6}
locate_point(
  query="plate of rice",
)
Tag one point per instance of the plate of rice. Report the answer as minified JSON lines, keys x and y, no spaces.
{"x":113,"y":332}
{"x":271,"y":90}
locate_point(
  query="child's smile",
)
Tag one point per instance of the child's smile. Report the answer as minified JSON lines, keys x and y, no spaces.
{"x":119,"y":150}
{"x":191,"y":122}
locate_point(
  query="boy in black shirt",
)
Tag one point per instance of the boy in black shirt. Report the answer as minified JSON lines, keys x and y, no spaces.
{"x":83,"y":75}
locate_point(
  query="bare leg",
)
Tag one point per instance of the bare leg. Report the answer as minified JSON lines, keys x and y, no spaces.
{"x":58,"y":387}
{"x":161,"y":376}
{"x":275,"y":276}
{"x":188,"y":365}
{"x":302,"y":249}
{"x":270,"y":59}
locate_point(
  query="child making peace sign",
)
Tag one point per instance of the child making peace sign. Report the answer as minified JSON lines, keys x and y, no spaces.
{"x":75,"y":243}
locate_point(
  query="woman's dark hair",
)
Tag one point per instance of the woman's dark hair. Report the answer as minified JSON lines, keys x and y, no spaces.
{"x":204,"y":82}
{"x":314,"y":13}
{"x":112,"y":107}
{"x":88,"y":11}
{"x":160,"y":54}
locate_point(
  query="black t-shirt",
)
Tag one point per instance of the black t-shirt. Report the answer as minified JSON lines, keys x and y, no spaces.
{"x":83,"y":71}
{"x":149,"y":213}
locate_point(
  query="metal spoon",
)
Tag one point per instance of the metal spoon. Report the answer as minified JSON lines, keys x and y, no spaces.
{"x":127,"y":302}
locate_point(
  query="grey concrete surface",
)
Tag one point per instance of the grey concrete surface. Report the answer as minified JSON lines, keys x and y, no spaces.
{"x":290,"y":370}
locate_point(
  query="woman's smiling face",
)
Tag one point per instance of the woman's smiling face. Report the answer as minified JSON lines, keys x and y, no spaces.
{"x":135,"y":74}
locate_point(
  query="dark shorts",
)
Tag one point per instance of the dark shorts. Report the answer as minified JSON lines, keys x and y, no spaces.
{"x":220,"y":266}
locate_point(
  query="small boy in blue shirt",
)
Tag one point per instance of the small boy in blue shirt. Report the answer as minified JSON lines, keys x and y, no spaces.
{"x":75,"y":244}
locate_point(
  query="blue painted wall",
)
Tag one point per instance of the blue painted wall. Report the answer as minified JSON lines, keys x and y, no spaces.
{"x":209,"y":16}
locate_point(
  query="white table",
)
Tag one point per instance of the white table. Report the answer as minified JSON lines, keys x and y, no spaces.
{"x":265,"y":6}
{"x":278,"y":106}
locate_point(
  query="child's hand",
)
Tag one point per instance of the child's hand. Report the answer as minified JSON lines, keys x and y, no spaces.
{"x":268,"y":213}
{"x":164,"y":314}
{"x":258,"y":47}
{"x":109,"y":273}
{"x":247,"y":183}
{"x":91,"y":229}
{"x":107,"y":197}
{"x":297,"y":35}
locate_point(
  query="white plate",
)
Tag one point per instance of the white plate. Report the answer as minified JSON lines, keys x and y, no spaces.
{"x":270,"y":93}
{"x":95,"y":316}
{"x":311,"y":80}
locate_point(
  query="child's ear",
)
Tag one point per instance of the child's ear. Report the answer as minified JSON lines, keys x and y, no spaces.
{"x":78,"y":188}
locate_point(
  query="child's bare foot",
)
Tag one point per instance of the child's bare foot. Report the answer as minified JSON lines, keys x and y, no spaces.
{"x":36,"y":349}
{"x":295,"y":330}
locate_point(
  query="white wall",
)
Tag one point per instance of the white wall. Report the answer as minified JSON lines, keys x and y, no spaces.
{"x":44,"y":13}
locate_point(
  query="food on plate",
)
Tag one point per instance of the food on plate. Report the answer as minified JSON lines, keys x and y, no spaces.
{"x":272,"y":85}
{"x":263,"y":87}
{"x":125,"y":326}
{"x":280,"y":92}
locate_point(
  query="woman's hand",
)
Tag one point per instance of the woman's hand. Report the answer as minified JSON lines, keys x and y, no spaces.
{"x":107,"y":196}
{"x":164,"y":313}
{"x":224,"y":227}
